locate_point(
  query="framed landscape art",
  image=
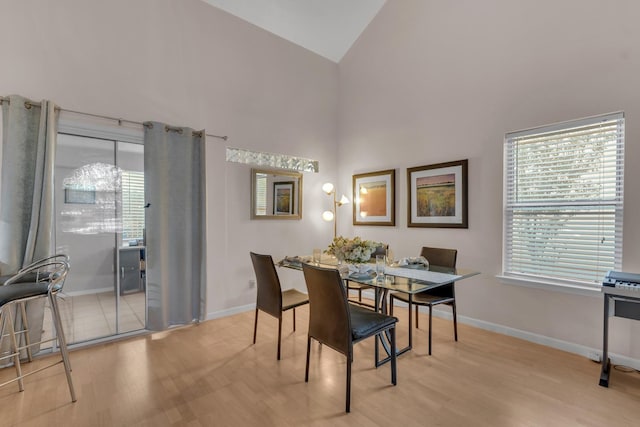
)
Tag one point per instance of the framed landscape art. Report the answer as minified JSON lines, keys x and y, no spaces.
{"x":437,"y":195}
{"x":374,"y":200}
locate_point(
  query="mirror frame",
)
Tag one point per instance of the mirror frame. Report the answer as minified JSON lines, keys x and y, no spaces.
{"x":283,"y":173}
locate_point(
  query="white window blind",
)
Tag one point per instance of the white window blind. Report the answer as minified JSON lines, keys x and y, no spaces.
{"x":261,"y":194}
{"x":132,"y":205}
{"x":564,"y":200}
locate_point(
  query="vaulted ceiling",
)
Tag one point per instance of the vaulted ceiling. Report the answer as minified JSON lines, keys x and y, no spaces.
{"x":326,"y":27}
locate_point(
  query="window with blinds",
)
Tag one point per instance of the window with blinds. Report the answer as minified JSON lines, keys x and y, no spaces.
{"x":564,"y":200}
{"x":132,"y":205}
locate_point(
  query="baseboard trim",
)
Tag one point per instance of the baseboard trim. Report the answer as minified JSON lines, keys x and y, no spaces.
{"x":230,"y":311}
{"x":89,"y":291}
{"x":581,"y":350}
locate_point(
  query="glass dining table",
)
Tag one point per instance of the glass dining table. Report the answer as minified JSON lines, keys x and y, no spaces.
{"x":396,"y":279}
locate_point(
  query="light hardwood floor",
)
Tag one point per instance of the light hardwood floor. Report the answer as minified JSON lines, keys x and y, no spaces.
{"x":211,"y":375}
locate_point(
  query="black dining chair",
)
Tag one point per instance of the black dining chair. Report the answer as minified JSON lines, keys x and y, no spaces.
{"x":271,"y":299}
{"x":444,"y":294}
{"x":338,"y":324}
{"x":359,"y":287}
{"x":50,"y":277}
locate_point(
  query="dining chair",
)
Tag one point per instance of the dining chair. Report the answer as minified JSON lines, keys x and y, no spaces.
{"x":444,"y":294}
{"x":335,"y":322}
{"x":359,"y":287}
{"x":271,"y":299}
{"x":15,"y":292}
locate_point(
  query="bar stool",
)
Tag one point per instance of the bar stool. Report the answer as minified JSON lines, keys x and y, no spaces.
{"x":50,"y":277}
{"x":34,"y":275}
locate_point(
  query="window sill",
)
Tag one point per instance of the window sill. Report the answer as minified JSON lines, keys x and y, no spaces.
{"x":559,"y":286}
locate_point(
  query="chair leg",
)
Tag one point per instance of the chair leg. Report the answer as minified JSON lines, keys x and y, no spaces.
{"x":394,"y":379}
{"x":294,"y":320}
{"x":279,"y":334}
{"x":409,"y":320}
{"x":430,"y":329}
{"x":62,"y":343}
{"x":455,"y":321}
{"x":306,"y":371}
{"x":255,"y":327}
{"x":348,"y":403}
{"x":391,"y":298}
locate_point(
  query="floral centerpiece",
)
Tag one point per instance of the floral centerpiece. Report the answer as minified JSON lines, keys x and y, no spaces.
{"x":353,"y":251}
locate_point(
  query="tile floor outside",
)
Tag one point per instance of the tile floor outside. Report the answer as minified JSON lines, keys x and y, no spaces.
{"x":87,"y":317}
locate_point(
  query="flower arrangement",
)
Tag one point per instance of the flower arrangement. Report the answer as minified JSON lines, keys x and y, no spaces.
{"x":353,"y":250}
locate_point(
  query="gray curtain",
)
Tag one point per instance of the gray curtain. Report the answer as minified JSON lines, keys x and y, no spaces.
{"x":175,"y":225}
{"x":29,"y":132}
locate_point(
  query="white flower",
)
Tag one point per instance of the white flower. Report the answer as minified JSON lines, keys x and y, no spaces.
{"x":353,"y":250}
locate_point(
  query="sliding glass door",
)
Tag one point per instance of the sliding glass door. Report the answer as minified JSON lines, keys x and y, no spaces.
{"x":99,"y":223}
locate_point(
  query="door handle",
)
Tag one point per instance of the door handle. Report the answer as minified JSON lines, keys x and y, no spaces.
{"x":122,"y":272}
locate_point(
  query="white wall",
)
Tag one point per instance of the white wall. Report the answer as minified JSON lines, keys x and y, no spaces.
{"x":427,"y":82}
{"x":189,"y":64}
{"x":437,"y":81}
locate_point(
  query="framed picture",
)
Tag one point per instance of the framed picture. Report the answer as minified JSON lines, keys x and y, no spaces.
{"x":374,"y":200}
{"x":84,"y":197}
{"x":283,"y":198}
{"x":437,"y":195}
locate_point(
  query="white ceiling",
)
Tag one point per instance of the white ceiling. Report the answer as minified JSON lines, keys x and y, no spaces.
{"x":326,"y":27}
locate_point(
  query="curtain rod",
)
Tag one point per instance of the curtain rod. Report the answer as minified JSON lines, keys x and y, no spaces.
{"x":29,"y":104}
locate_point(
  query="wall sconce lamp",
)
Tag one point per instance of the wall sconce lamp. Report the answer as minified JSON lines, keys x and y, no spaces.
{"x":331,"y":215}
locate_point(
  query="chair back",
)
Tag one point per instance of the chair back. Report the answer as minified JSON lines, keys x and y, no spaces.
{"x":443,"y":258}
{"x":56,"y":257}
{"x":440,"y":256}
{"x":269,"y":290}
{"x":329,"y":320}
{"x":34,"y":272}
{"x":52,"y":272}
{"x":57,"y":274}
{"x":380,"y":250}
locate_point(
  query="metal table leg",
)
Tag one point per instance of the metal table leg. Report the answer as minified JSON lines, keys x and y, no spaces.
{"x":606,"y":363}
{"x":385,"y":338}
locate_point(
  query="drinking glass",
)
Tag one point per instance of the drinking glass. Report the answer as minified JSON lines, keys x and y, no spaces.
{"x":317,"y":255}
{"x":380,"y":263}
{"x":389,"y":257}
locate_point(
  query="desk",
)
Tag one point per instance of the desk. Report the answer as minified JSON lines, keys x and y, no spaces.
{"x":617,"y":302}
{"x":432,"y":278}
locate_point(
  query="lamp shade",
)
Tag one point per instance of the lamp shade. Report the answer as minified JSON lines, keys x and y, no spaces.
{"x":327,"y":216}
{"x":343,"y":200}
{"x":327,"y":187}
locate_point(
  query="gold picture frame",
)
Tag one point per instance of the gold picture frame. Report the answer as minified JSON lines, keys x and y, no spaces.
{"x":374,"y":201}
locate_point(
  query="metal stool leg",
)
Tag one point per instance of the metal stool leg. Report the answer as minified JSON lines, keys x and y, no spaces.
{"x":25,"y":330}
{"x":7,"y":323}
{"x":62,"y":342}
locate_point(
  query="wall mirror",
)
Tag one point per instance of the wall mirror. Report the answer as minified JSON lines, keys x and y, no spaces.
{"x":276,"y":194}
